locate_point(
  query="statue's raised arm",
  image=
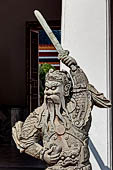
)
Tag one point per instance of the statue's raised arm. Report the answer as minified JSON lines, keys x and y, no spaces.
{"x":80,"y":81}
{"x":79,"y":78}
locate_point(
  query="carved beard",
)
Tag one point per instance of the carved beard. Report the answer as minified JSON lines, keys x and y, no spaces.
{"x":53,"y":105}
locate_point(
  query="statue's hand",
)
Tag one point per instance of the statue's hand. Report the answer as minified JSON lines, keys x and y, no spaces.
{"x":68,"y":61}
{"x":51,"y":158}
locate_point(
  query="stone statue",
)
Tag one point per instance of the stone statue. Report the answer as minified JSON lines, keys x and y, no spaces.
{"x":63,"y":121}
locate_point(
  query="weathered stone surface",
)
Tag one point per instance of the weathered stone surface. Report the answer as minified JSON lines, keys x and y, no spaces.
{"x":63,"y":121}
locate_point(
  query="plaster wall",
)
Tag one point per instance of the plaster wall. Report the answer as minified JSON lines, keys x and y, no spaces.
{"x":85,"y":35}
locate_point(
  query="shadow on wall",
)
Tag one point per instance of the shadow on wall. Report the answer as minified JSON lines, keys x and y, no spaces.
{"x":97,"y":156}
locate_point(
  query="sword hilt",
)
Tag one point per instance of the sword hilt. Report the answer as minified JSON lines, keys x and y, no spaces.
{"x":66,"y":53}
{"x":63,"y":53}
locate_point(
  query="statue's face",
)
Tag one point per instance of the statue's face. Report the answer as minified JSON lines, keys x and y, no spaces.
{"x":54,"y":100}
{"x":53,"y":91}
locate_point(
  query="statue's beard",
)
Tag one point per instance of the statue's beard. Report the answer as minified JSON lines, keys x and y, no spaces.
{"x":53,"y":106}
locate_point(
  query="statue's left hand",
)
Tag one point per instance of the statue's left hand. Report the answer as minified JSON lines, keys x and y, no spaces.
{"x":51,"y":158}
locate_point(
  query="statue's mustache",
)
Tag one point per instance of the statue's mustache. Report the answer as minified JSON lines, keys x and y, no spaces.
{"x":53,"y":104}
{"x":53,"y":97}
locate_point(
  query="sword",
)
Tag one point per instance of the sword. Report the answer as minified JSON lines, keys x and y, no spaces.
{"x":50,"y":34}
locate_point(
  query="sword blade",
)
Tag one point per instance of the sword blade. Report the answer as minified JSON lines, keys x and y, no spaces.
{"x":49,"y":32}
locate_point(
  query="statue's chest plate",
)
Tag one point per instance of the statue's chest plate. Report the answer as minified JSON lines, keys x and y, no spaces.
{"x":67,"y":139}
{"x":68,"y":145}
{"x":68,"y":142}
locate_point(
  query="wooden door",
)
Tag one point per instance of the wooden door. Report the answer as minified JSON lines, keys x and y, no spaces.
{"x":32,"y":88}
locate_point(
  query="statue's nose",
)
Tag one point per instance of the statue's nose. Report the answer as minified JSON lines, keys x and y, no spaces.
{"x":49,"y":92}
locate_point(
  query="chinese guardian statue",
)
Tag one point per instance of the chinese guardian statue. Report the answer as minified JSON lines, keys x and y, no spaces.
{"x":63,"y":121}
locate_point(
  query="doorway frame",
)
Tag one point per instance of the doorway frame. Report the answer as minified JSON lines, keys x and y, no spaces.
{"x":34,"y":25}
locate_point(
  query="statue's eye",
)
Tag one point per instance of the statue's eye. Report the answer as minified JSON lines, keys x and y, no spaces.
{"x":73,"y":156}
{"x":47,"y":88}
{"x":53,"y":88}
{"x":62,"y":157}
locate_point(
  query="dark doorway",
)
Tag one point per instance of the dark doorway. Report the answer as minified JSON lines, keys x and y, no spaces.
{"x":39,"y":50}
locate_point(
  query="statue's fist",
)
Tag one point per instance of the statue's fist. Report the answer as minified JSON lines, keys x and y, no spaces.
{"x":68,"y":61}
{"x":50,"y":157}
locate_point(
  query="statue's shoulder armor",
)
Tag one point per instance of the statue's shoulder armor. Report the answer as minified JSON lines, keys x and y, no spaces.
{"x":32,"y":123}
{"x":79,"y":78}
{"x":80,"y":106}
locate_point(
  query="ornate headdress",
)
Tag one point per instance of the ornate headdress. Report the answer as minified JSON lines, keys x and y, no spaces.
{"x":62,"y":77}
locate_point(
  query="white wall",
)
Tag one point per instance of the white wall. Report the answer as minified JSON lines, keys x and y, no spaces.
{"x":84,"y":35}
